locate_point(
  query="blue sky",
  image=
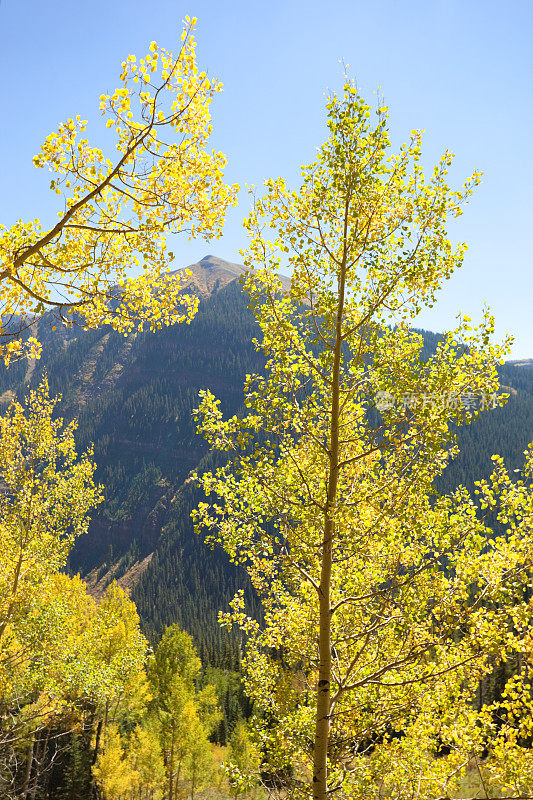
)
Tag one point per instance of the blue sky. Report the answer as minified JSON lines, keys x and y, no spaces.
{"x":460,"y":69}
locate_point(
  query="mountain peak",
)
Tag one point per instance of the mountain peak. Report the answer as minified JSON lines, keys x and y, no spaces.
{"x":211,"y":274}
{"x":211,"y":262}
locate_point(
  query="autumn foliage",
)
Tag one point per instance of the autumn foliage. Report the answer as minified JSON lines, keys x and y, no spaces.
{"x":106,"y":257}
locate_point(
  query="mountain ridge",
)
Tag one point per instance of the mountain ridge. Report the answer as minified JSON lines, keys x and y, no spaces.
{"x":134,"y":398}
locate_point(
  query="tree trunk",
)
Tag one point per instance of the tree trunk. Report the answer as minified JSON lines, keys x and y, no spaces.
{"x":29,"y":764}
{"x":193,"y":779}
{"x":97,"y":742}
{"x":322,"y":721}
{"x":40,"y":755}
{"x":94,"y":786}
{"x":171,"y":770}
{"x":323,"y":696}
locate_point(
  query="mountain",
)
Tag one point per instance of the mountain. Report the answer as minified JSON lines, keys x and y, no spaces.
{"x":211,"y":274}
{"x":134,"y":399}
{"x":526,"y":363}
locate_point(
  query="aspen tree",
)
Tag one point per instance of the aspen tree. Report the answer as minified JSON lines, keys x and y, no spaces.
{"x":186,"y":717}
{"x":384,"y":603}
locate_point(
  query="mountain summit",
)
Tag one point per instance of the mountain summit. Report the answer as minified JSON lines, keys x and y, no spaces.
{"x":211,"y":274}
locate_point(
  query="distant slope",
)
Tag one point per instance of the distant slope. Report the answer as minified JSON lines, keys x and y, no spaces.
{"x":134,"y":399}
{"x":526,"y":363}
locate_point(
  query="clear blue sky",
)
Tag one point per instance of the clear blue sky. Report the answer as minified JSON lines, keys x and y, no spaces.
{"x":460,"y":69}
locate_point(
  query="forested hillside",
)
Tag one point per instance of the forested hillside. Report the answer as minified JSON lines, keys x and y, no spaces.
{"x":134,"y":399}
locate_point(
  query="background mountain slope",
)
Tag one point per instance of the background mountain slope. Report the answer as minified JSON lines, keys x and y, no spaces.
{"x":134,"y":399}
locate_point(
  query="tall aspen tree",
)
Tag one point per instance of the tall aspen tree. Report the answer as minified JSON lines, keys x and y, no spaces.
{"x":384,"y":603}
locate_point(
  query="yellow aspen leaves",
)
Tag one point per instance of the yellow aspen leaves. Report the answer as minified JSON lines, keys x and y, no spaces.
{"x":47,"y":491}
{"x":118,"y":211}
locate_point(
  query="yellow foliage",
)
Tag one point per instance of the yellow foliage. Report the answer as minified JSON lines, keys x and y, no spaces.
{"x":117,"y":212}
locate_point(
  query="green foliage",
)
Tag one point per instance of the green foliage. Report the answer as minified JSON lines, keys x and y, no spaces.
{"x":235,"y":706}
{"x":244,"y":761}
{"x":186,"y":715}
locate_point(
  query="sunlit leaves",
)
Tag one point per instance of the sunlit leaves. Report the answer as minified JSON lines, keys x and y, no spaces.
{"x":106,"y":257}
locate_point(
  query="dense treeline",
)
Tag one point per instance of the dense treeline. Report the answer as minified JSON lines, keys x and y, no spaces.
{"x":188,"y":583}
